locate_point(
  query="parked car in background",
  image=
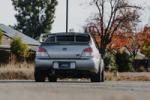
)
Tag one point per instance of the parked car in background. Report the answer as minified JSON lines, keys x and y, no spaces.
{"x":72,"y":55}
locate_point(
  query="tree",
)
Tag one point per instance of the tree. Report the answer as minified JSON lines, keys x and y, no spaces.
{"x":1,"y":36}
{"x":34,"y":16}
{"x":124,"y":61}
{"x":110,"y":61}
{"x":122,"y":17}
{"x":144,"y":41}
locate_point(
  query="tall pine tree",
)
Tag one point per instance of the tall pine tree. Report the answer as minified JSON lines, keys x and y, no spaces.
{"x":34,"y":16}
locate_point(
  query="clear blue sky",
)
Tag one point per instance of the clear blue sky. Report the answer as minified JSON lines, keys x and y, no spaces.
{"x":79,"y":11}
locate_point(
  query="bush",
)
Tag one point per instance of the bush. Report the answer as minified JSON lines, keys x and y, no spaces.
{"x":18,"y":48}
{"x":1,"y":36}
{"x":124,"y":62}
{"x":110,"y":62}
{"x":145,"y":48}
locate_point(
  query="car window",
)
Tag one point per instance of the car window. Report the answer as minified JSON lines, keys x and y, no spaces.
{"x":65,"y":38}
{"x":50,"y":39}
{"x":61,"y":39}
{"x":81,"y":38}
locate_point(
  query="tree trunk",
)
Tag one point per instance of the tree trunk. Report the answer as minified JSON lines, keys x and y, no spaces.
{"x":102,"y":50}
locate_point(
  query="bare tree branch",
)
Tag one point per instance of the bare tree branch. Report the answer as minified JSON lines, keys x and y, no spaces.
{"x":123,"y":17}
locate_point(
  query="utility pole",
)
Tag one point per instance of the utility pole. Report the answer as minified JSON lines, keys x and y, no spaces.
{"x":67,"y":3}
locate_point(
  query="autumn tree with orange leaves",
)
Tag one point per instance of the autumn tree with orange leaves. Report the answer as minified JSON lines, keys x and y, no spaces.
{"x":144,"y":40}
{"x":122,"y":17}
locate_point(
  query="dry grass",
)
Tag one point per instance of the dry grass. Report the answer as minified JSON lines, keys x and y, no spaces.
{"x":128,"y":76}
{"x":25,"y":71}
{"x":16,"y":71}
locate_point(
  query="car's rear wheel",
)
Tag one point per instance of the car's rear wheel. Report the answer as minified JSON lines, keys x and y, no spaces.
{"x":95,"y":77}
{"x":39,"y":76}
{"x":98,"y":77}
{"x":102,"y":76}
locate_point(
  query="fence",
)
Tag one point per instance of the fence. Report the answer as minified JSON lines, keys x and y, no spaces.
{"x":7,"y":57}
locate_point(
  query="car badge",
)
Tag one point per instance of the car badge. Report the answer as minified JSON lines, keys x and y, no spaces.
{"x":64,"y":49}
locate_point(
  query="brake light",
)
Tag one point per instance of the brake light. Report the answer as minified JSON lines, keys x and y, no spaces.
{"x":41,"y":52}
{"x":87,"y":52}
{"x":41,"y":49}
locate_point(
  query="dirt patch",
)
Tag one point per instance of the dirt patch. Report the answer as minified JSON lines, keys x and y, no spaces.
{"x":128,"y":76}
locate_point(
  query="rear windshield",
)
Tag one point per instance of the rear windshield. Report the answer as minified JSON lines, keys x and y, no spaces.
{"x":82,"y":38}
{"x":65,"y":38}
{"x":68,"y":39}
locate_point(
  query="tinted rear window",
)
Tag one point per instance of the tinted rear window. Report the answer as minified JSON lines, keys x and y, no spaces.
{"x":82,"y":38}
{"x":68,"y":39}
{"x":50,"y":39}
{"x":65,"y":38}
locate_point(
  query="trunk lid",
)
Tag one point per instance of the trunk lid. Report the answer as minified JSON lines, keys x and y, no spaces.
{"x":66,"y":45}
{"x":65,"y":51}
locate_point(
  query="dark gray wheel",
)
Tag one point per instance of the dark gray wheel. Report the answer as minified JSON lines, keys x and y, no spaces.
{"x":39,"y":76}
{"x":96,"y":77}
{"x":102,"y":76}
{"x":52,"y":79}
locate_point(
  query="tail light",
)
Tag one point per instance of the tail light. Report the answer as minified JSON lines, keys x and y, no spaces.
{"x":87,"y":52}
{"x":41,"y":52}
{"x":41,"y":49}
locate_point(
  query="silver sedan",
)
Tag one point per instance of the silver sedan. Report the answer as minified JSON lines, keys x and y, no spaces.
{"x":72,"y":55}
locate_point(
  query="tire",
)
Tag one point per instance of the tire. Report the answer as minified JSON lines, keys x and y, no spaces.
{"x":52,"y":79}
{"x":98,"y":77}
{"x":102,"y":76}
{"x":39,"y":76}
{"x":95,"y":77}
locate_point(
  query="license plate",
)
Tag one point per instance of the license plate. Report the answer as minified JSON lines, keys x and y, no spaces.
{"x":64,"y":65}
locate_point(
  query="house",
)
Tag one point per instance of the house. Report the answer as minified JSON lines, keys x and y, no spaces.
{"x":9,"y":33}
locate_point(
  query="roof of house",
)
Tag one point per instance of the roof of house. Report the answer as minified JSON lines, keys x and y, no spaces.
{"x":10,"y":32}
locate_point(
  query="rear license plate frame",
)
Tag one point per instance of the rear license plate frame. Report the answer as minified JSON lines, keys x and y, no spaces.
{"x":64,"y":65}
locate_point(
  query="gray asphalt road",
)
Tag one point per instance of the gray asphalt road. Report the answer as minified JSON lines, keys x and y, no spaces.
{"x":74,"y":90}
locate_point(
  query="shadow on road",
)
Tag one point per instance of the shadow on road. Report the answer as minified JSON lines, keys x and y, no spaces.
{"x":32,"y":81}
{"x":16,"y":81}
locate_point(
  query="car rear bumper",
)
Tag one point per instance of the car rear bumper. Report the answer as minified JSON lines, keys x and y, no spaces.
{"x":90,"y":65}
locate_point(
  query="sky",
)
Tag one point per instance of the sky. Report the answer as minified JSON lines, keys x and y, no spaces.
{"x":79,"y":12}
